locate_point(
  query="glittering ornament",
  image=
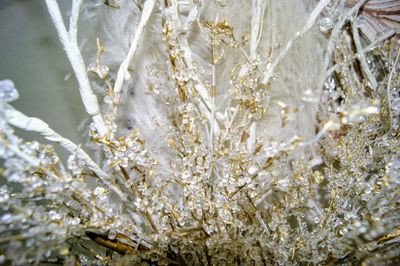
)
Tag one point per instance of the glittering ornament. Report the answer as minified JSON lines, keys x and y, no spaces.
{"x":229,"y":133}
{"x":8,"y":92}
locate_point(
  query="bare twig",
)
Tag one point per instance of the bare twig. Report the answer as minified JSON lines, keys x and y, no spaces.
{"x":309,"y":23}
{"x":256,"y":25}
{"x":389,"y":97}
{"x":363,"y":61}
{"x":123,"y":69}
{"x":336,"y":31}
{"x":20,"y":120}
{"x":70,"y":44}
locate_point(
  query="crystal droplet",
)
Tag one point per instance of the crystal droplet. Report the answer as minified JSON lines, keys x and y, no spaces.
{"x":8,"y":92}
{"x":4,"y":196}
{"x":98,"y":190}
{"x":75,"y":221}
{"x":53,"y":215}
{"x":108,"y":99}
{"x":396,"y":105}
{"x":325,"y":25}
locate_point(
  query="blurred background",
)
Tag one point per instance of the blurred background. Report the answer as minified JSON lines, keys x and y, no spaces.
{"x":31,"y":55}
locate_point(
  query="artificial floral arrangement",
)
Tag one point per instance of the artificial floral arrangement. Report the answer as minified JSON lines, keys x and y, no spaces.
{"x":223,"y":132}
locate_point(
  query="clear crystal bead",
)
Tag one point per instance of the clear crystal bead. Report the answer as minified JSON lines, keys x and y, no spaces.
{"x":6,"y":218}
{"x":185,"y":175}
{"x":98,"y":190}
{"x":55,"y":187}
{"x":393,"y":169}
{"x":75,"y":221}
{"x":53,"y":215}
{"x":8,"y":92}
{"x":112,"y":234}
{"x":396,"y":105}
{"x":4,"y":196}
{"x":325,"y":24}
{"x":108,"y":99}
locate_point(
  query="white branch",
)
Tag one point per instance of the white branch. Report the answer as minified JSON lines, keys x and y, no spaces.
{"x":32,"y":161}
{"x":336,"y":31}
{"x":206,"y":103}
{"x":70,"y":44}
{"x":73,"y":22}
{"x":366,"y":49}
{"x":389,"y":97}
{"x":123,"y":69}
{"x":329,"y":126}
{"x":309,"y":23}
{"x":20,"y":120}
{"x":363,"y":61}
{"x":256,"y":25}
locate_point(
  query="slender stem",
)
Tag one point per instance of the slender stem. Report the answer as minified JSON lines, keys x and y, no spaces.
{"x":363,"y":60}
{"x":20,"y":120}
{"x":73,"y":22}
{"x":366,"y":49}
{"x":309,"y":23}
{"x":32,"y":161}
{"x":336,"y":31}
{"x":389,"y":97}
{"x":258,"y":9}
{"x":213,"y":86}
{"x":123,"y":69}
{"x":70,"y":44}
{"x":200,"y":88}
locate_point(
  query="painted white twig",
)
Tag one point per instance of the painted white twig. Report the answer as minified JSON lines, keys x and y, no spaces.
{"x":330,"y":125}
{"x":20,"y":120}
{"x":389,"y":96}
{"x":309,"y":23}
{"x":363,"y":61}
{"x":366,"y":49}
{"x":30,"y":160}
{"x":381,"y":38}
{"x":336,"y":31}
{"x":205,"y":105}
{"x":73,"y":22}
{"x":256,"y":25}
{"x":214,"y":88}
{"x":70,"y":44}
{"x":33,"y":124}
{"x":123,"y":72}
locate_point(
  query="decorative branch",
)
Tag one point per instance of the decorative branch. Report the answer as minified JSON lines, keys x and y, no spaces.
{"x":70,"y":44}
{"x":123,"y":72}
{"x":74,"y":19}
{"x":363,"y":60}
{"x":256,"y":25}
{"x":388,"y":87}
{"x":308,"y":25}
{"x":18,"y":119}
{"x":336,"y":31}
{"x":207,"y":176}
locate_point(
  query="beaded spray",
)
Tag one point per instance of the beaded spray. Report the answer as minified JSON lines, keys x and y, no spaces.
{"x":230,"y":132}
